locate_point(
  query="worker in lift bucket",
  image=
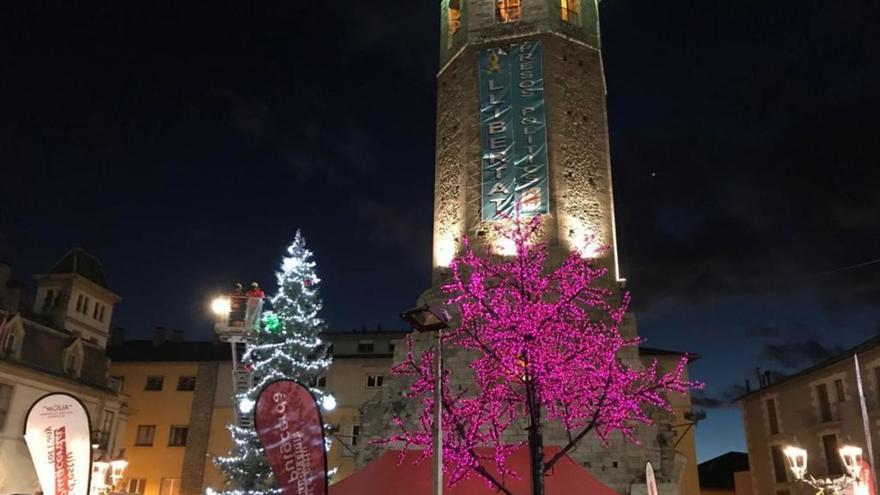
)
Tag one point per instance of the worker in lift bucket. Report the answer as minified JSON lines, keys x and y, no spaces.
{"x":254,"y":305}
{"x":237,"y":306}
{"x":256,"y":291}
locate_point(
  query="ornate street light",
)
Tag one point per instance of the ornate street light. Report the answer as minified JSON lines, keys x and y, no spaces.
{"x":852,"y":461}
{"x":424,"y":319}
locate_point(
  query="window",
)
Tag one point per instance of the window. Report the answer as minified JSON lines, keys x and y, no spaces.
{"x":136,"y":486}
{"x":79,"y":303}
{"x":108,"y":420}
{"x":145,"y":435}
{"x":375,"y":381}
{"x":571,"y":11}
{"x":50,"y":295}
{"x":186,"y":383}
{"x":170,"y":486}
{"x":5,"y":403}
{"x":85,"y":310}
{"x":832,"y":456}
{"x":779,"y":464}
{"x":178,"y":435}
{"x":365,"y":346}
{"x":9,"y":345}
{"x":351,"y":436}
{"x":329,"y":352}
{"x":508,"y":10}
{"x":121,"y":380}
{"x":95,"y":311}
{"x":73,"y":358}
{"x":824,"y":402}
{"x":154,"y":383}
{"x":101,"y":314}
{"x":838,"y":390}
{"x":391,"y":348}
{"x":453,"y":20}
{"x":771,"y":416}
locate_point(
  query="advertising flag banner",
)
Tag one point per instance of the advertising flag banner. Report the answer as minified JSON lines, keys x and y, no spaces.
{"x":291,"y":431}
{"x":58,"y":435}
{"x":650,"y":480}
{"x":513,"y":131}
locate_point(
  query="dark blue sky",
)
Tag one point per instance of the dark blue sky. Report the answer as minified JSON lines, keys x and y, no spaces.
{"x":184,"y":146}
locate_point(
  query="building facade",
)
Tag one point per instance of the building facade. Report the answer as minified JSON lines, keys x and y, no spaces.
{"x":818,"y":410}
{"x":56,"y":345}
{"x":181,"y":403}
{"x":522,"y":120}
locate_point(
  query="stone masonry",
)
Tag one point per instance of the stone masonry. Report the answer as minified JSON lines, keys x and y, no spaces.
{"x":193,"y":471}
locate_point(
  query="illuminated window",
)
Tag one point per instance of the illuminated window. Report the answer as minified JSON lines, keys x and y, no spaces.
{"x":453,"y":20}
{"x":169,"y":486}
{"x":571,"y":11}
{"x":136,"y":486}
{"x":508,"y":10}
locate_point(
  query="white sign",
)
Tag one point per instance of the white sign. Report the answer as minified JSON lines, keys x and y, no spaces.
{"x":58,"y":435}
{"x":650,"y":481}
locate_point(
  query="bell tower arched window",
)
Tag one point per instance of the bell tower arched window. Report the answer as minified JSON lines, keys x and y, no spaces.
{"x":508,"y":10}
{"x":571,"y":11}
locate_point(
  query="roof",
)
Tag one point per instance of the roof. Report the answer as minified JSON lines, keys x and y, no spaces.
{"x":865,"y":346}
{"x":82,"y":263}
{"x":718,"y":472}
{"x":389,"y":474}
{"x":169,"y":351}
{"x":652,"y":351}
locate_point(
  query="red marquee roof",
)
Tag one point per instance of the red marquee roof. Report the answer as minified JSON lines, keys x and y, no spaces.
{"x":387,"y":475}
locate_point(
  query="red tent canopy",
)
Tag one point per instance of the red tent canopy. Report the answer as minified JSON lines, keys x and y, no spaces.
{"x":388,"y":476}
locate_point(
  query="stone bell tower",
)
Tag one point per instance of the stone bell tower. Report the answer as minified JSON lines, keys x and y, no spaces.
{"x":521,"y":119}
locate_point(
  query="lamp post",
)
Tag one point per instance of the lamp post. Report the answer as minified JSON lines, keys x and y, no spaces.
{"x":434,"y":318}
{"x":852,"y":461}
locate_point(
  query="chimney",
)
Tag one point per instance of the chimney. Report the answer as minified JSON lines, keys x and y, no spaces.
{"x":176,"y":335}
{"x":160,"y":336}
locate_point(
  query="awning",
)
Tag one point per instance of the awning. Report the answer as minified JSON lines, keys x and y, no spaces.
{"x":388,"y":476}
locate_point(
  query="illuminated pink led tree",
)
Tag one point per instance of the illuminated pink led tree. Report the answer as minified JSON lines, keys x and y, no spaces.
{"x":546,"y":345}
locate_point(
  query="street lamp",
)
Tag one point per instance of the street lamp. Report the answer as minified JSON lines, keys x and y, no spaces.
{"x":434,"y":318}
{"x":852,"y":461}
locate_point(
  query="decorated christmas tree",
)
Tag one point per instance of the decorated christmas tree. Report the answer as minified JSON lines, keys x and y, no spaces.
{"x":287,"y":347}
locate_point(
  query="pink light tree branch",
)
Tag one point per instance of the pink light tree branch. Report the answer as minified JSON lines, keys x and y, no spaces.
{"x":546,"y":346}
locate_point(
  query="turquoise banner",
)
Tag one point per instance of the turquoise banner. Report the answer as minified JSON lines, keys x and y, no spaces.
{"x":513,"y":131}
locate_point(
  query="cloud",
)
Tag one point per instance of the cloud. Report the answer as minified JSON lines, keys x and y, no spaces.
{"x":797,"y":355}
{"x":724,"y":400}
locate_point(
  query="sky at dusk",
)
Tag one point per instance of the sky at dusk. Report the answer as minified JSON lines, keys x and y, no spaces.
{"x":184,"y":146}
